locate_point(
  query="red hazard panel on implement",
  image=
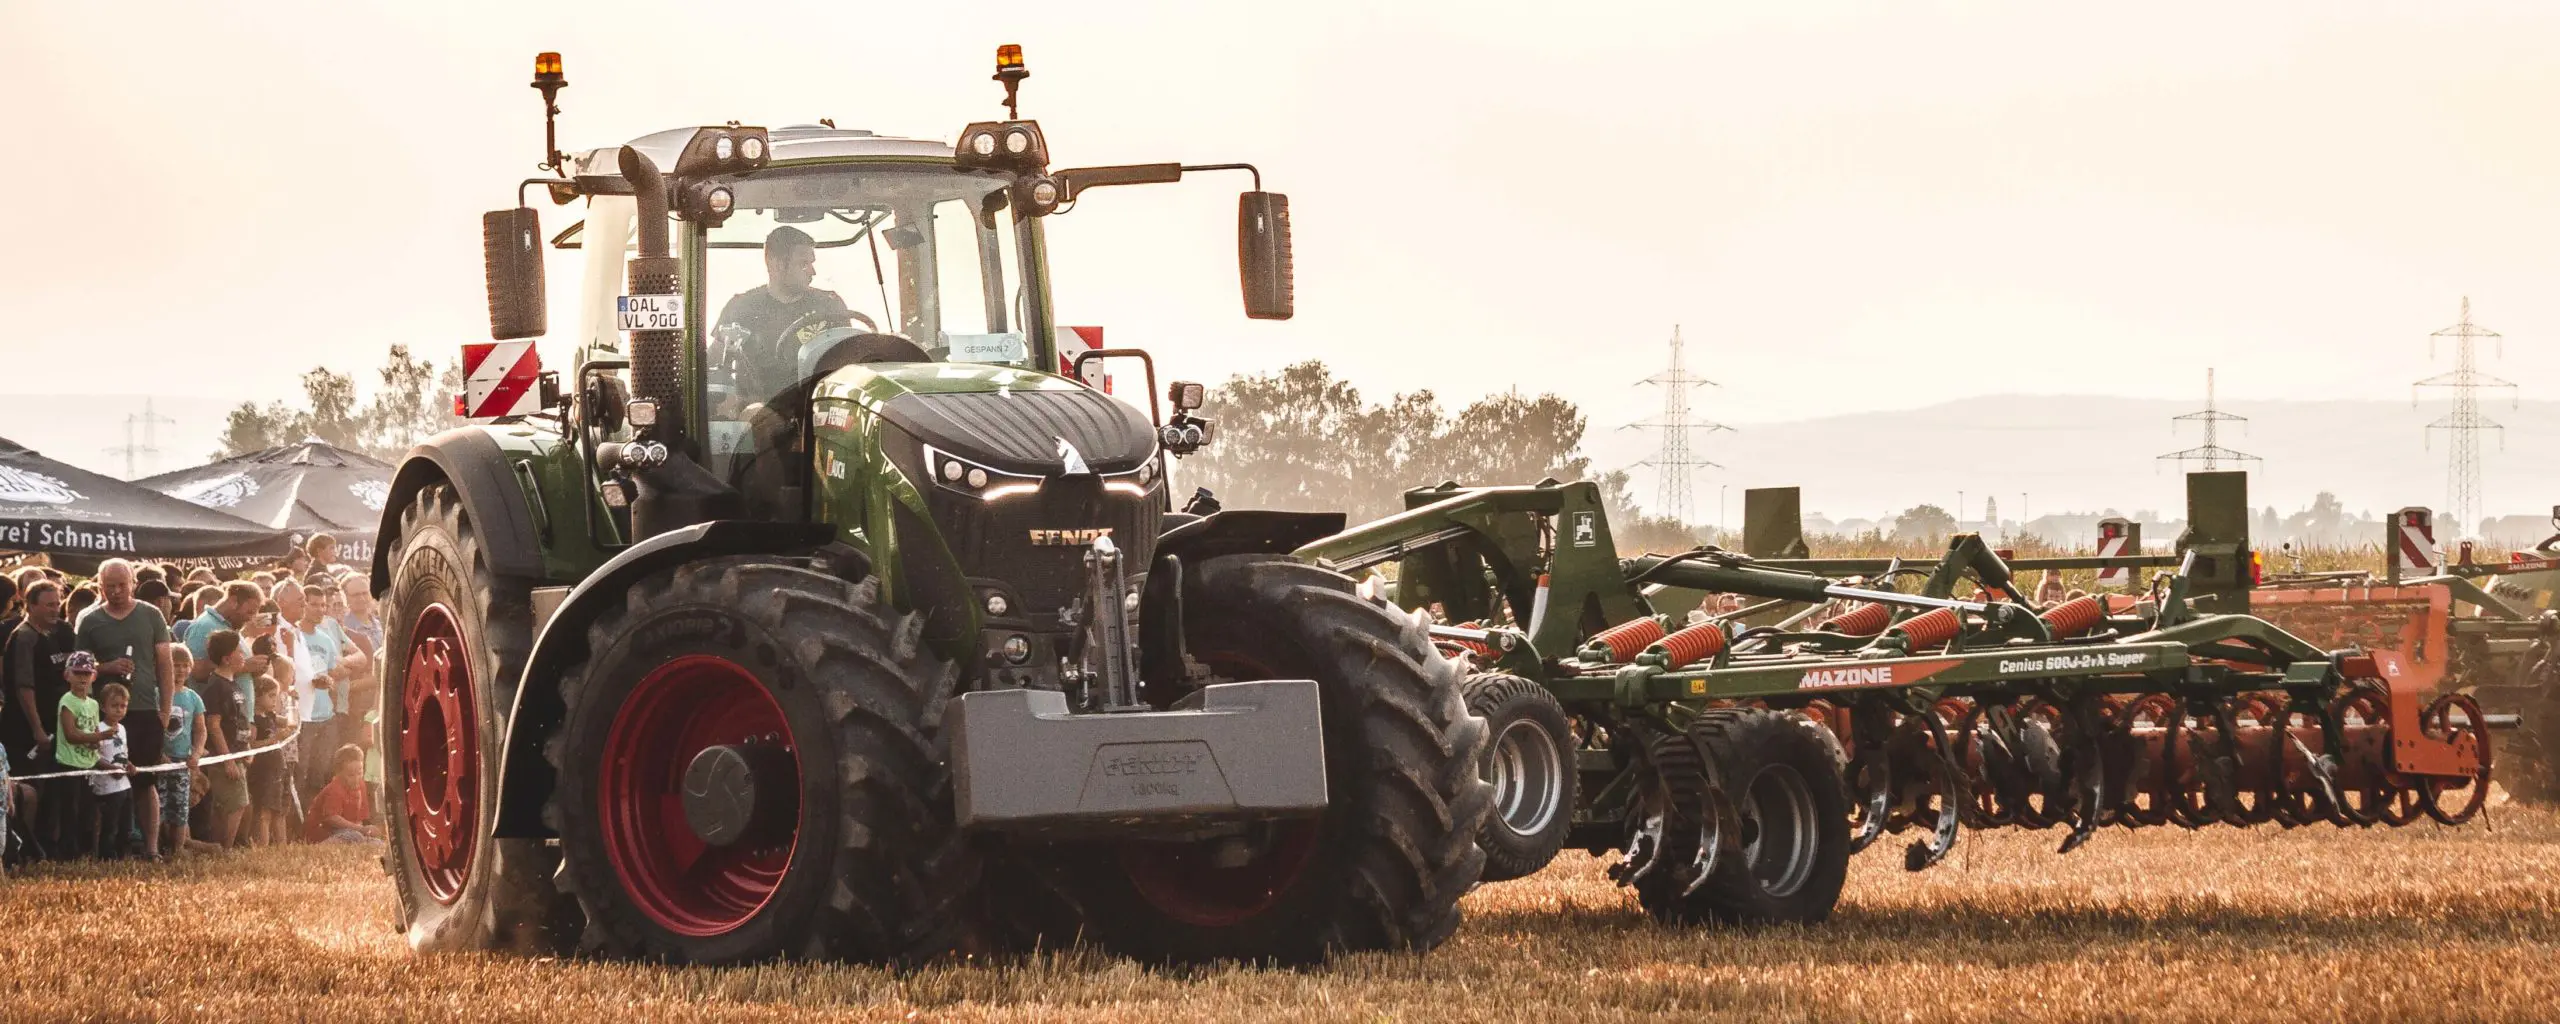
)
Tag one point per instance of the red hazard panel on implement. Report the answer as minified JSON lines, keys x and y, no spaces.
{"x":499,"y":378}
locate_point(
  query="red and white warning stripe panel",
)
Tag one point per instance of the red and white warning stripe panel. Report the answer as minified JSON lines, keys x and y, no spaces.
{"x":2115,"y":538}
{"x":2413,"y":540}
{"x":500,"y":378}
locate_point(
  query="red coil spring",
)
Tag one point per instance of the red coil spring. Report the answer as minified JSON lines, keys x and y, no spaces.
{"x":1929,"y":629}
{"x":1694,"y":643}
{"x":2074,"y":617}
{"x":1626,"y":639}
{"x":1863,"y":620}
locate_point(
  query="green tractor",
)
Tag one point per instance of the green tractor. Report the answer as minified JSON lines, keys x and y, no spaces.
{"x":860,"y":625}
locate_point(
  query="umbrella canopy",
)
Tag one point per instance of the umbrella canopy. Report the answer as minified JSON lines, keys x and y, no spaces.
{"x":299,"y":488}
{"x":61,"y":509}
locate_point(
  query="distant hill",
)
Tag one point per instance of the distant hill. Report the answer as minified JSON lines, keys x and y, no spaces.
{"x":2084,"y":453}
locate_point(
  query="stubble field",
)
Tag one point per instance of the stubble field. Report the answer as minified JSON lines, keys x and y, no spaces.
{"x":2417,"y":924}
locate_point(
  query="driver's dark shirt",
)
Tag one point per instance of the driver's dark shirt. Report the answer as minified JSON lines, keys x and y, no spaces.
{"x":765,"y":318}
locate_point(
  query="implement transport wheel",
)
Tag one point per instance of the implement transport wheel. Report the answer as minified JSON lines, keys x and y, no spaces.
{"x":1530,"y":765}
{"x":1790,"y":856}
{"x":753,"y":767}
{"x":1381,"y":868}
{"x":459,"y":635}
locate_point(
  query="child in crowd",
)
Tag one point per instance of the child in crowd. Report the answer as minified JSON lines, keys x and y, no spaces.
{"x":75,"y":748}
{"x":225,"y":728}
{"x":267,"y":796}
{"x":185,"y":743}
{"x":113,"y":791}
{"x":340,"y":812}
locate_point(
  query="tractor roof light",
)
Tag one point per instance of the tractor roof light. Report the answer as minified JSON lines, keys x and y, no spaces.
{"x":1015,"y":146}
{"x":724,"y":149}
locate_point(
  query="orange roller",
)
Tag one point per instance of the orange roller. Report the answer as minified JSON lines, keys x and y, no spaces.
{"x":1626,"y":639}
{"x":1863,"y":620}
{"x":1692,"y":644}
{"x":1929,"y":629}
{"x":2074,"y":617}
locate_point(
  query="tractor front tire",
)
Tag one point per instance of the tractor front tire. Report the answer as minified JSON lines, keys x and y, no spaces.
{"x":1381,"y":868}
{"x":753,"y":767}
{"x":1530,"y":764}
{"x":459,"y":636}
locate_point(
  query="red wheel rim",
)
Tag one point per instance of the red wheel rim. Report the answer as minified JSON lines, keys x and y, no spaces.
{"x":440,"y":753}
{"x":683,"y":707}
{"x":1184,"y":879}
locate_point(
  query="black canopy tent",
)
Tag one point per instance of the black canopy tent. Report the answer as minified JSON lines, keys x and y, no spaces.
{"x":83,"y":517}
{"x":301,"y":489}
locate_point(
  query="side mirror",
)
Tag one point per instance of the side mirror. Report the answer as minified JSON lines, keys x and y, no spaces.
{"x":511,"y":252}
{"x":1262,"y":255}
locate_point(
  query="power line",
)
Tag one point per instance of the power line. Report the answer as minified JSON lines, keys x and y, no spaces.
{"x":2211,"y":452}
{"x":1674,"y":459}
{"x":2465,"y":423}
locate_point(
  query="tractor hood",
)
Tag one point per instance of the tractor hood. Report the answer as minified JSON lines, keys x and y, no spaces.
{"x":1011,"y":420}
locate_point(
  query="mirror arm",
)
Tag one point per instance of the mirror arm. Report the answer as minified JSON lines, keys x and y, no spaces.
{"x":554,"y":184}
{"x":1257,"y":172}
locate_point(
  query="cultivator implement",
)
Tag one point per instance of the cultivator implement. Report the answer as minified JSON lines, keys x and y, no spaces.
{"x":1736,"y":759}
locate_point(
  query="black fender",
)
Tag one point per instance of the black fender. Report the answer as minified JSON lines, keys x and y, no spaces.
{"x":1245,"y":531}
{"x":525,"y":777}
{"x":470,"y":460}
{"x":1194,"y":539}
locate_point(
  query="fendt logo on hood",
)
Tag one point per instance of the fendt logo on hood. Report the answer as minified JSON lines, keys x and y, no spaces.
{"x":1067,"y":538}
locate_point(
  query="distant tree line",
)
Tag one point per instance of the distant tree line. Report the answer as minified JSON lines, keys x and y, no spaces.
{"x":1302,"y":438}
{"x":412,"y":399}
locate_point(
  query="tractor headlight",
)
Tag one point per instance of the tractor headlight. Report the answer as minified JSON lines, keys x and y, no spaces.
{"x":957,"y":474}
{"x":1017,"y":649}
{"x":752,"y":148}
{"x":724,"y":148}
{"x":1017,"y":141}
{"x":720,"y":201}
{"x":983,"y":143}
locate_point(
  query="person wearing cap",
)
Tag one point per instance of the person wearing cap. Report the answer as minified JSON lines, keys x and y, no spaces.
{"x":77,"y":733}
{"x":131,"y":641}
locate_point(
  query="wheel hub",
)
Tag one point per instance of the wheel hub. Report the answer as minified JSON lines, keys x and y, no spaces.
{"x":1527,"y":774}
{"x":440,"y":754}
{"x":699,"y":795}
{"x":739,"y":792}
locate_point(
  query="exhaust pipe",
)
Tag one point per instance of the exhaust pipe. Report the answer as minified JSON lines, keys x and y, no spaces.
{"x":679,"y":492}
{"x":655,"y":354}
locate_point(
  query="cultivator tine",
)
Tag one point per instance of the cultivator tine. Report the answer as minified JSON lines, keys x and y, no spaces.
{"x":2087,"y":768}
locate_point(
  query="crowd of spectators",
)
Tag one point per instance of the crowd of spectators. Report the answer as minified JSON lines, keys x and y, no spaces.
{"x":155,"y":710}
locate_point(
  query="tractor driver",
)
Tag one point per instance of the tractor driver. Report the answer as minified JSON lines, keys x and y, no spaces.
{"x":757,"y":357}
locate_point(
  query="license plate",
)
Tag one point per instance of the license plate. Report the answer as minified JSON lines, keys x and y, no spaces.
{"x":648,"y":313}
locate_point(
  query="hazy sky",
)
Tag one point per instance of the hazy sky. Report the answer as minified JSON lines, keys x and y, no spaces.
{"x":1847,"y":207}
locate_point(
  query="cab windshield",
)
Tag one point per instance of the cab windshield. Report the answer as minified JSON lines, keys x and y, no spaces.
{"x":817,"y":259}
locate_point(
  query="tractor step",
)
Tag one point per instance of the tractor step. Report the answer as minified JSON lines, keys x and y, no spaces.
{"x":1021,"y":762}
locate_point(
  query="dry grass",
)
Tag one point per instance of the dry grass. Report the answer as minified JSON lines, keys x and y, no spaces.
{"x":2416,"y":924}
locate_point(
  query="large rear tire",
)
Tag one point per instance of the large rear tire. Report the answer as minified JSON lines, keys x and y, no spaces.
{"x":839,"y":842}
{"x":1529,"y":762}
{"x":459,"y":635}
{"x":1381,"y":869}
